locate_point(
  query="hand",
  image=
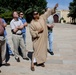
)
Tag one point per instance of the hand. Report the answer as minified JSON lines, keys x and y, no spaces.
{"x":56,"y":6}
{"x":51,"y":26}
{"x":20,"y":27}
{"x":41,"y":30}
{"x":17,"y":27}
{"x":25,"y":24}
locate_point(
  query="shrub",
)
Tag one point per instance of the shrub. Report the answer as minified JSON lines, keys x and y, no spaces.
{"x":6,"y":14}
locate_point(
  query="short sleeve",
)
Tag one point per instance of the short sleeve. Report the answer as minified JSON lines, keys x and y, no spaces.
{"x":25,"y":20}
{"x":3,"y":21}
{"x":21,"y":22}
{"x":12,"y":25}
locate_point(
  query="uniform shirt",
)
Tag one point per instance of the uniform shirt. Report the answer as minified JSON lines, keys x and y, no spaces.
{"x":23,"y":21}
{"x":15,"y":24}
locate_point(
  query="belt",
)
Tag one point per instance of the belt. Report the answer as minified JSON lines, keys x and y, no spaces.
{"x":1,"y":35}
{"x":18,"y":34}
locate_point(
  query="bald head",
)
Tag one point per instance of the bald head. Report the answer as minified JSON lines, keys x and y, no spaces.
{"x":15,"y":14}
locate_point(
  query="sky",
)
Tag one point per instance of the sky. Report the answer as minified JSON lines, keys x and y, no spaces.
{"x":63,"y":4}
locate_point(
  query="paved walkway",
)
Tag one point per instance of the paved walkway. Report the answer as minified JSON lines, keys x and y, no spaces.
{"x":62,"y":63}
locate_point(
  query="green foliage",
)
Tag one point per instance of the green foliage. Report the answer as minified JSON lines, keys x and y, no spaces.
{"x":64,"y":21}
{"x":23,"y":5}
{"x":61,"y":19}
{"x":72,"y":8}
{"x":6,"y":14}
{"x":27,"y":6}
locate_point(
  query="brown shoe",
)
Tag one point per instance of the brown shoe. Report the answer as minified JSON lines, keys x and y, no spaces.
{"x":32,"y":69}
{"x":17,"y":59}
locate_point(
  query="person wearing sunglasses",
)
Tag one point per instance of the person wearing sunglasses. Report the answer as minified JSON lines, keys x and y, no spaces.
{"x":21,"y":17}
{"x":39,"y":33}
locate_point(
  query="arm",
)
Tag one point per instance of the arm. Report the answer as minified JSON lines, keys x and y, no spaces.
{"x":50,"y":25}
{"x":50,"y":11}
{"x":4,"y":23}
{"x":25,"y":24}
{"x":33,"y":32}
{"x":13,"y":28}
{"x":21,"y":26}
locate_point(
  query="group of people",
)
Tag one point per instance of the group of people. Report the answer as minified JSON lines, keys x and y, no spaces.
{"x":40,"y":29}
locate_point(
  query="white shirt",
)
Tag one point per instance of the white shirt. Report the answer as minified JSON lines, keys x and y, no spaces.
{"x":50,"y":20}
{"x":15,"y":24}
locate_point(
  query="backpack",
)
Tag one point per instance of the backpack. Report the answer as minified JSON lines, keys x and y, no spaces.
{"x":1,"y":28}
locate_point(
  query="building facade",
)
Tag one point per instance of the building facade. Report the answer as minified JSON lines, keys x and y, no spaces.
{"x":61,"y":16}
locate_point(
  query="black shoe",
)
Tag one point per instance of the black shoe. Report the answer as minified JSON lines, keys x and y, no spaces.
{"x":7,"y":64}
{"x":17,"y":59}
{"x":11,"y":54}
{"x":32,"y":69}
{"x":26,"y":58}
{"x":35,"y":64}
{"x":43,"y":65}
{"x":51,"y":53}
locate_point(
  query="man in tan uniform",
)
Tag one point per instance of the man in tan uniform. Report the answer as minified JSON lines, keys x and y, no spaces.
{"x":39,"y":33}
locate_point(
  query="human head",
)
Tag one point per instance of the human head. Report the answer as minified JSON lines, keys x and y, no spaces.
{"x":35,"y":15}
{"x":15,"y":14}
{"x":21,"y":14}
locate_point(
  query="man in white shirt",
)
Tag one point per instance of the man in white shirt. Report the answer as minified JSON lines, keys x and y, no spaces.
{"x":16,"y":27}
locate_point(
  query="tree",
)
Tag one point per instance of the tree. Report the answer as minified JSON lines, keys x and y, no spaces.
{"x":27,"y":6}
{"x":72,"y":12}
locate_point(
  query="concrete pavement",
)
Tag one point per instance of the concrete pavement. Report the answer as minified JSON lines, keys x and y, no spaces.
{"x":62,"y":63}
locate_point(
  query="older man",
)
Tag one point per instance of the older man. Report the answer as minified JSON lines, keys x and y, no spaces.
{"x":16,"y":28}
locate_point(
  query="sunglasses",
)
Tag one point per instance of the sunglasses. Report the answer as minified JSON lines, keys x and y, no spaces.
{"x":21,"y":14}
{"x":35,"y":13}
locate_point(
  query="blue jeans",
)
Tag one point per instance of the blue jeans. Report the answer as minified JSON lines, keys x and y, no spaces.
{"x":50,"y":39}
{"x":7,"y":45}
{"x":24,"y":37}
